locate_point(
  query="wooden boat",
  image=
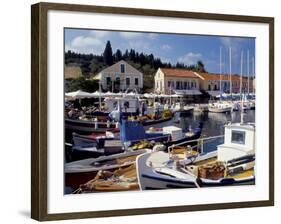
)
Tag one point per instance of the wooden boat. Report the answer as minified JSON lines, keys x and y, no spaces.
{"x":231,"y":164}
{"x":122,"y":179}
{"x":82,"y":171}
{"x":88,"y":126}
{"x":132,"y":133}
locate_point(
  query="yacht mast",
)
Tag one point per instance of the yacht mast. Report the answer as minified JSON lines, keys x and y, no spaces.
{"x":241,"y":75}
{"x":220,"y":71}
{"x":253,"y":61}
{"x":241,"y":97}
{"x":230,"y":82}
{"x":248,"y":71}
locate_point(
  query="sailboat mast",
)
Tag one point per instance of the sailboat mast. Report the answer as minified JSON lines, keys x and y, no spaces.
{"x":230,"y":82}
{"x":241,"y":97}
{"x":220,"y":71}
{"x":241,"y":75}
{"x":100,"y":94}
{"x":248,"y":70}
{"x":254,"y":75}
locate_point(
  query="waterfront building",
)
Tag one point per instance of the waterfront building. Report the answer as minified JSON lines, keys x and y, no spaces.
{"x":211,"y":82}
{"x":120,"y":77}
{"x":174,"y":80}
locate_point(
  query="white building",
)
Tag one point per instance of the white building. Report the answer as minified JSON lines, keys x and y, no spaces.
{"x":120,"y":77}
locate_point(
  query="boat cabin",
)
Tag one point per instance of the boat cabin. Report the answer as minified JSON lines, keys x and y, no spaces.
{"x":239,"y":140}
{"x":127,"y":104}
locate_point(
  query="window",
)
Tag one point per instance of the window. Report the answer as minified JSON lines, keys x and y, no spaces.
{"x":188,"y":85}
{"x":122,"y":68}
{"x":127,"y":82}
{"x":192,"y":85}
{"x":178,"y":85}
{"x":136,"y":81}
{"x":108,"y":81}
{"x":209,"y":87}
{"x":185,"y":85}
{"x":170,"y":84}
{"x":238,"y":137}
{"x":117,"y":80}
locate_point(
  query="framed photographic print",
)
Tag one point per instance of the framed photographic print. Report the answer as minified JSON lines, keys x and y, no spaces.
{"x":138,"y":111}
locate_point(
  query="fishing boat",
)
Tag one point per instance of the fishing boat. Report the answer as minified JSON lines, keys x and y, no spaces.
{"x":82,"y":171}
{"x":232,"y":163}
{"x":132,"y":134}
{"x":94,"y":126}
{"x":122,"y":179}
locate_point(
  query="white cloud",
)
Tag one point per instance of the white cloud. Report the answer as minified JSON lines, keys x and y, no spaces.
{"x":82,"y":41}
{"x":189,"y":58}
{"x":166,"y":47}
{"x":130,"y":35}
{"x":85,"y":44}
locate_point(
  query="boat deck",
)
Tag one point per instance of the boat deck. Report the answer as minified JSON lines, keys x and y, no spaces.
{"x":244,"y":174}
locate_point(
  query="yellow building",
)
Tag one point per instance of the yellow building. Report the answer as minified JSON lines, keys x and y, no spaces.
{"x":174,"y":80}
{"x":213,"y":82}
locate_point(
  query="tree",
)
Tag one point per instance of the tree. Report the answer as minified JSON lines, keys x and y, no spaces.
{"x":118,"y":55}
{"x":200,"y":66}
{"x":107,"y":54}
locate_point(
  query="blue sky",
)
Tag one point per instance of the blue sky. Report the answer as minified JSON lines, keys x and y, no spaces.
{"x":184,"y":48}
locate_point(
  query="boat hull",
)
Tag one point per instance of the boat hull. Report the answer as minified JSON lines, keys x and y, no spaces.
{"x":219,"y":110}
{"x":87,"y":127}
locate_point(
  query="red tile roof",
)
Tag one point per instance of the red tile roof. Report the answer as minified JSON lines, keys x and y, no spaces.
{"x":176,"y":72}
{"x":211,"y":76}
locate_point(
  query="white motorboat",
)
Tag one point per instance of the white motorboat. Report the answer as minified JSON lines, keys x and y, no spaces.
{"x":231,"y":164}
{"x":219,"y":107}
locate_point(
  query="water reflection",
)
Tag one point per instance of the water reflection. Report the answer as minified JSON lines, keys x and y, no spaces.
{"x":213,"y":124}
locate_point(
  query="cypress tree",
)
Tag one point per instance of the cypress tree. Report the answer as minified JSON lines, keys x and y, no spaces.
{"x":107,"y":54}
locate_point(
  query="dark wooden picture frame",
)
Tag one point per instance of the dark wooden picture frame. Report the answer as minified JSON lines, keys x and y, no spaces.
{"x":39,"y":109}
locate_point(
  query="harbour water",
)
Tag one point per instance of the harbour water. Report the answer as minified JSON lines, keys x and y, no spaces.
{"x":213,"y":124}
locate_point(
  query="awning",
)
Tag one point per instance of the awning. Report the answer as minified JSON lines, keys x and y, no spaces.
{"x":188,"y":92}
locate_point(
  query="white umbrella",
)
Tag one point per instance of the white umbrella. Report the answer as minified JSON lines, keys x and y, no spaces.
{"x":96,"y":94}
{"x":78,"y":95}
{"x":150,"y":95}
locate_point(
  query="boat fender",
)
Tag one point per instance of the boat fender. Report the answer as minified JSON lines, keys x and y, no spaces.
{"x":96,"y":123}
{"x":158,"y":148}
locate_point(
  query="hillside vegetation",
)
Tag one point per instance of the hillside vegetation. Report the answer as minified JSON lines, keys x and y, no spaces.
{"x":91,"y":65}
